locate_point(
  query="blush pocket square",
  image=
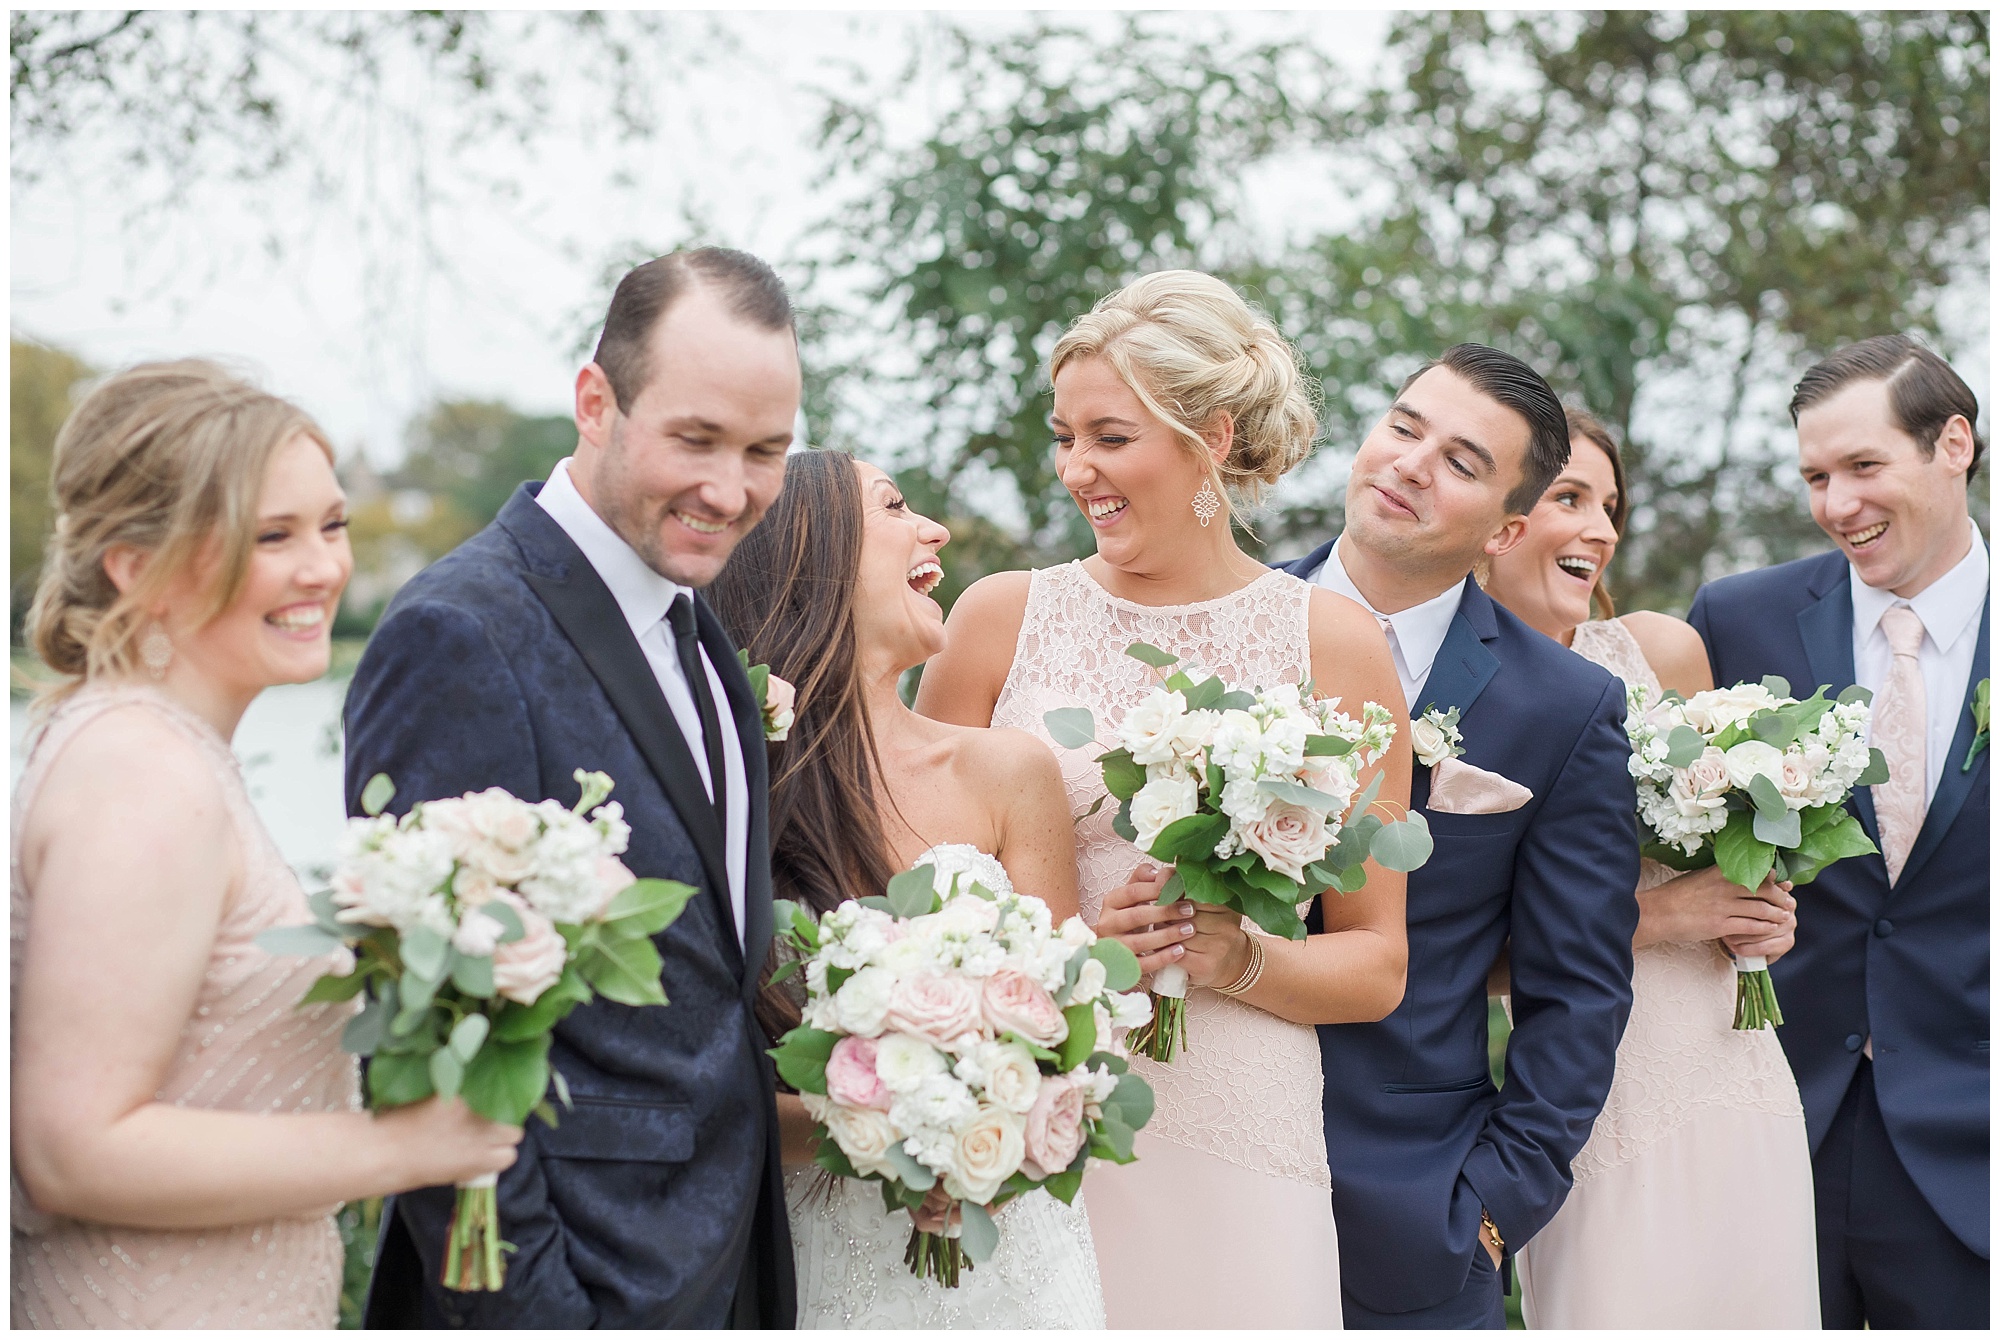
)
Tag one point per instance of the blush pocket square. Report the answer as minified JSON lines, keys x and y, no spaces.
{"x":1457,"y":787}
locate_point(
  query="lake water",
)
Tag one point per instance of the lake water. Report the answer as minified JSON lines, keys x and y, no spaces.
{"x":289,"y":745}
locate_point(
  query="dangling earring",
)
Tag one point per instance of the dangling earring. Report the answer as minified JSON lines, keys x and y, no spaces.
{"x":157,"y":651}
{"x":1207,"y":503}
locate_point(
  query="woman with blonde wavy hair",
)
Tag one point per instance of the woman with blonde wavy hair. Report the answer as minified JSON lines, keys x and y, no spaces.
{"x":182,"y":1131}
{"x":1175,"y":401}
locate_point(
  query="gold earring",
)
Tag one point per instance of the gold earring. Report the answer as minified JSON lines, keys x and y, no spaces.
{"x":157,"y":651}
{"x":1207,"y":503}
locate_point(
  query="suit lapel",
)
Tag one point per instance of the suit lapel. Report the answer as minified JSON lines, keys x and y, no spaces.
{"x":746,"y":715}
{"x":1955,"y":782}
{"x":1464,"y":666}
{"x":1826,"y":628}
{"x":588,"y":614}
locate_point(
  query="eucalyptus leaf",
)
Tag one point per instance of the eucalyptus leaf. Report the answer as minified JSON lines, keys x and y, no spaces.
{"x":331,"y":987}
{"x":414,"y":995}
{"x":1133,"y":1100}
{"x":375,"y":796}
{"x":1404,"y":845}
{"x":447,"y":1073}
{"x":1685,"y":744}
{"x":472,"y":975}
{"x":300,"y":941}
{"x":913,"y":893}
{"x":1877,"y":771}
{"x":1780,"y":832}
{"x":1071,"y":727}
{"x":398,"y":1078}
{"x":511,"y":928}
{"x":912,"y":1174}
{"x":326,"y":914}
{"x":561,"y":1087}
{"x":1236,"y":700}
{"x":1779,"y":686}
{"x":366,"y":1030}
{"x":425,"y":953}
{"x":977,"y":1233}
{"x":1303,"y":796}
{"x":1121,"y":822}
{"x":1776,"y":729}
{"x":467,"y":1035}
{"x":1328,"y":746}
{"x":1206,"y":694}
{"x":1765,"y":796}
{"x":1121,"y":966}
{"x":1151,"y":655}
{"x":1854,"y":693}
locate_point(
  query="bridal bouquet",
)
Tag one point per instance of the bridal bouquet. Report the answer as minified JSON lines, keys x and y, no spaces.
{"x":471,"y":927}
{"x":954,"y":1041}
{"x":1754,"y":782}
{"x":1253,"y":795}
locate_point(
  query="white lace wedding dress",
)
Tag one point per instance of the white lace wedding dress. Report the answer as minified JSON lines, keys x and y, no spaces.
{"x":849,"y":1251}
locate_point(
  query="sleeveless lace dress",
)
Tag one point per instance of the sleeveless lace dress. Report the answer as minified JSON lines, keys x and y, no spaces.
{"x":848,"y":1251}
{"x":1693,"y":1202}
{"x":247,"y":1048}
{"x":1231,"y":1184}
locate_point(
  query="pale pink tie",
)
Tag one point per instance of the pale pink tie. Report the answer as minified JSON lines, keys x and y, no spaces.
{"x":1901,"y":723}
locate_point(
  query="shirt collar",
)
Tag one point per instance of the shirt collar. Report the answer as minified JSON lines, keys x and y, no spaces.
{"x":643,"y":595}
{"x":1420,"y":629}
{"x":1949,"y":606}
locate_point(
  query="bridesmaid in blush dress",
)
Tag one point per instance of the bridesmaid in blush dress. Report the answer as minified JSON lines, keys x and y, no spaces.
{"x":1693,"y":1199}
{"x":1169,"y":395}
{"x":182,"y":1131}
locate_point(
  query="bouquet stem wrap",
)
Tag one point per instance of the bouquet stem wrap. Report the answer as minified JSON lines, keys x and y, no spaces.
{"x":473,"y":1261}
{"x":1166,"y":1036}
{"x":1756,"y":997}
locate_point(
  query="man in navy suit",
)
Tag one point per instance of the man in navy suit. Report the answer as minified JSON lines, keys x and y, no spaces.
{"x":1885,"y":994}
{"x":1438,"y":1177}
{"x":570,"y":634}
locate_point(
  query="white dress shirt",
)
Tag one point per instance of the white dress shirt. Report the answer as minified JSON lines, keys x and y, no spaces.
{"x":1415,"y":634}
{"x":643,"y":596}
{"x":1949,"y":608}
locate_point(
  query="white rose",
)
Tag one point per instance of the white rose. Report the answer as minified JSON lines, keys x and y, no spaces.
{"x":1161,"y":803}
{"x":989,"y":1151}
{"x":1007,"y":1073}
{"x":1799,"y":782}
{"x":967,"y":915}
{"x":1753,"y":758}
{"x":1429,"y":742}
{"x":863,"y":1134}
{"x":1289,"y":838}
{"x":1715,"y":710}
{"x":863,"y":1000}
{"x":907,"y":955}
{"x":1160,"y":729}
{"x":1076,"y":933}
{"x":1089,"y":982}
{"x":904,"y":1062}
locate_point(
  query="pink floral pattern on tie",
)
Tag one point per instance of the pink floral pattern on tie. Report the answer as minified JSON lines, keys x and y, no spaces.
{"x":1900,"y":725}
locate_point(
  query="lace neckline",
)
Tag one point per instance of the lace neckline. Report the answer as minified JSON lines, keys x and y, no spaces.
{"x":1083,"y":575}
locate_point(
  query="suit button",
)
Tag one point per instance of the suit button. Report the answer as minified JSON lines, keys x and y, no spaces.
{"x":1854,"y":1042}
{"x":1884,"y":928}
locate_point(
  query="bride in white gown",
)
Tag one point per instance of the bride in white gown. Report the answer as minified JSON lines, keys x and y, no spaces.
{"x":832,"y":591}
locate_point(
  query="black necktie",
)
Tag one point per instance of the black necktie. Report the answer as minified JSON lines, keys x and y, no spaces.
{"x":680,"y":616}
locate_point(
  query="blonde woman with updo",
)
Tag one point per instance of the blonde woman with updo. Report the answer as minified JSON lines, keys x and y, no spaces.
{"x":182,"y":1131}
{"x":1175,"y":403}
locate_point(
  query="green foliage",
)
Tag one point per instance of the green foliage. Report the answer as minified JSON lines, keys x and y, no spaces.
{"x":40,"y":383}
{"x":801,"y":1056}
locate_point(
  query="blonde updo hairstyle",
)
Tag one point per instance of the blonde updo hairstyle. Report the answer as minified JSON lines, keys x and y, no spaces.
{"x":1191,"y":349}
{"x":169,"y":458}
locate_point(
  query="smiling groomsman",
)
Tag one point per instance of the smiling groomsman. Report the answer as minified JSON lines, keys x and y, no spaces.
{"x":1885,"y":995}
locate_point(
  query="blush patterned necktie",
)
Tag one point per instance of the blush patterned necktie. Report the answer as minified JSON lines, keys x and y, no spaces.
{"x":1901,"y":723}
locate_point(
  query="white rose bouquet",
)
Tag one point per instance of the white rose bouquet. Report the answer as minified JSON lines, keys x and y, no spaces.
{"x":954,"y":1040}
{"x":1253,"y":795}
{"x":471,"y":927}
{"x":1755,"y":782}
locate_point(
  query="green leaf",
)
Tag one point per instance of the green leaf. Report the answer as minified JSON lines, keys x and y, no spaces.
{"x":786,"y":971}
{"x":1116,"y":1138}
{"x":801,"y":1057}
{"x":467,"y":1035}
{"x":1328,"y":746}
{"x":415,"y":995}
{"x":447,"y":1073}
{"x":1082,"y":1038}
{"x":1121,"y":966}
{"x":546,"y":1114}
{"x":1235,"y":700}
{"x":301,"y":941}
{"x":561,"y":1087}
{"x":1171,"y":888}
{"x":506,"y":1079}
{"x":1685,"y":744}
{"x":1371,"y":789}
{"x":878,"y":902}
{"x":829,"y":1156}
{"x":1200,"y":884}
{"x":425,"y":953}
{"x":913,"y":1175}
{"x":913,"y":893}
{"x":1877,"y":771}
{"x":398,"y":1078}
{"x":1404,"y":845}
{"x":326,"y":914}
{"x":1352,"y":880}
{"x":760,"y":682}
{"x":1122,"y":776}
{"x":517,"y":1022}
{"x":1776,"y":729}
{"x":649,"y":905}
{"x":1034,"y":1049}
{"x":367,"y":1030}
{"x":1765,"y":796}
{"x":331,"y":987}
{"x":1071,"y":727}
{"x":1279,"y":916}
{"x":1071,"y":971}
{"x":1294,"y":794}
{"x":1854,"y":693}
{"x":1065,"y":1184}
{"x":1780,"y":832}
{"x":511,"y":928}
{"x":1111,"y":1061}
{"x":1206,"y":695}
{"x":1132,"y":1100}
{"x":1832,"y":842}
{"x":473,"y":976}
{"x":1151,"y":655}
{"x":1779,"y":686}
{"x":375,"y":796}
{"x":1193,"y":837}
{"x":1121,"y":822}
{"x":624,"y":968}
{"x":1742,"y":857}
{"x":977,"y":1234}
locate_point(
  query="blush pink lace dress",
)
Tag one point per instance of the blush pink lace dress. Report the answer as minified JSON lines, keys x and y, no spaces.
{"x":1693,"y":1202}
{"x":246,"y":1048}
{"x":1226,"y":1220}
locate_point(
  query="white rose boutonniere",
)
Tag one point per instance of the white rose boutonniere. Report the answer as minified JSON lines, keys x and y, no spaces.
{"x":775,"y":696}
{"x":1435,"y":737}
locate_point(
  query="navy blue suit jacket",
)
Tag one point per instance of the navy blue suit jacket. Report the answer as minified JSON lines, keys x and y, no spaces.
{"x":1908,"y":964}
{"x":1417,"y":1136}
{"x":508,"y":663}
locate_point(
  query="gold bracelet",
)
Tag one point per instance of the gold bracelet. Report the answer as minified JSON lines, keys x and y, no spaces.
{"x":1250,"y":973}
{"x":1492,"y":1232}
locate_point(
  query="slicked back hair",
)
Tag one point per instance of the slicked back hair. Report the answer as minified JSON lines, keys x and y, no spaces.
{"x":1505,"y":378}
{"x":750,"y":289}
{"x":1924,"y":393}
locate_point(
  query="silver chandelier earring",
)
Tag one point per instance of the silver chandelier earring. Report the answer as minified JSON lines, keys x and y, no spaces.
{"x":156,"y":649}
{"x":1207,"y":503}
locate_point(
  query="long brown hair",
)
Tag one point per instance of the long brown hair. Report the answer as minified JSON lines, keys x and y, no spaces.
{"x":1584,"y":424}
{"x":787,"y":597}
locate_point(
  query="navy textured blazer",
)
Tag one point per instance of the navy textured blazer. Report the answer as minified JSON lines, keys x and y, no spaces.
{"x":508,"y":663}
{"x":1908,"y":965}
{"x":1417,"y":1137}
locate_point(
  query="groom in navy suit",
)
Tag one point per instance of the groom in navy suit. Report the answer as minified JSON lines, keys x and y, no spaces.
{"x":569,"y":634}
{"x":1437,"y":1176}
{"x":1885,"y":994}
